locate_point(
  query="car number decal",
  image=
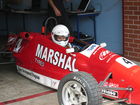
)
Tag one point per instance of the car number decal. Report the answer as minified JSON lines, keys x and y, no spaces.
{"x":125,"y":62}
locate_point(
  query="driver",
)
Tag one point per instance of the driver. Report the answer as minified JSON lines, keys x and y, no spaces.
{"x":60,"y":35}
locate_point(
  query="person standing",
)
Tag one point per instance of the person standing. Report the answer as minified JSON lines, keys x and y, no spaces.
{"x":56,"y":9}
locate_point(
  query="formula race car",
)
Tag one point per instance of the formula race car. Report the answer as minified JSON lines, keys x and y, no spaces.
{"x":81,"y":78}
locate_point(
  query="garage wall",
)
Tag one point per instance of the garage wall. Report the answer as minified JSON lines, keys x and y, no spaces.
{"x":108,"y":23}
{"x":22,"y":22}
{"x":132,"y":29}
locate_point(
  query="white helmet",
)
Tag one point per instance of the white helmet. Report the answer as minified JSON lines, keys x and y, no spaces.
{"x":60,"y":35}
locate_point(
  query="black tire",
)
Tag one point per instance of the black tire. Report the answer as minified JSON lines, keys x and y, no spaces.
{"x":79,"y":88}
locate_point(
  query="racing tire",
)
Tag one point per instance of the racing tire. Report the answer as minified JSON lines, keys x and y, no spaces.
{"x":79,"y":88}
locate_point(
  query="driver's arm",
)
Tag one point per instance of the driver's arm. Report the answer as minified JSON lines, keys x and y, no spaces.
{"x":56,"y":10}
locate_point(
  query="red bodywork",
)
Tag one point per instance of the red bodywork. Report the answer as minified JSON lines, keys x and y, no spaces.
{"x":37,"y":53}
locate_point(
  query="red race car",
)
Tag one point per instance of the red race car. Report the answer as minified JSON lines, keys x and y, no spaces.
{"x":83,"y":77}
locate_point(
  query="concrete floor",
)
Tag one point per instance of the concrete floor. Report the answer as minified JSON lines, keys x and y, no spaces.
{"x":15,"y":89}
{"x":18,"y":90}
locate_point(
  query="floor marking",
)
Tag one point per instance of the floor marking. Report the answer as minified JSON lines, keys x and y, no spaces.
{"x":26,"y":97}
{"x":2,"y":103}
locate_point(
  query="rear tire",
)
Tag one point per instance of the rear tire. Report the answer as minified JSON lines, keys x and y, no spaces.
{"x":79,"y":88}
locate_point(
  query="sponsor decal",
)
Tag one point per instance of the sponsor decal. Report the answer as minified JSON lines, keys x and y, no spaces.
{"x":18,"y":46}
{"x":79,"y":80}
{"x":110,"y":84}
{"x":125,"y":62}
{"x":39,"y":62}
{"x":104,"y":54}
{"x":28,"y":73}
{"x":56,"y":58}
{"x":90,"y":50}
{"x":110,"y":93}
{"x":53,"y":83}
{"x":111,"y":57}
{"x":47,"y":81}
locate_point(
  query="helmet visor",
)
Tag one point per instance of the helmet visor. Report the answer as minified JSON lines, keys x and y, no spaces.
{"x":60,"y":38}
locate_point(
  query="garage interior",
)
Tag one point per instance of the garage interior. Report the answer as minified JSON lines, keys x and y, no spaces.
{"x":122,"y":37}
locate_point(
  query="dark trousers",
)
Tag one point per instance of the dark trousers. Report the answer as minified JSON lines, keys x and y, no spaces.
{"x":63,"y":19}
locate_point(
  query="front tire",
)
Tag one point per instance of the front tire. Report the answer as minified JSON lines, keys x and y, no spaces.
{"x":79,"y":88}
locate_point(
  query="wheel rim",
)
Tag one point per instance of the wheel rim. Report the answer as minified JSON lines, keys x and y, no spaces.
{"x":73,"y":93}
